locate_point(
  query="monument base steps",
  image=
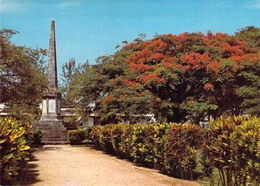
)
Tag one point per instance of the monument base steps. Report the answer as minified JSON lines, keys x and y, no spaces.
{"x":53,"y":132}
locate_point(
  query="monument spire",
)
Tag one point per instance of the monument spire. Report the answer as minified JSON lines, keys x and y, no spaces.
{"x":51,"y":123}
{"x":51,"y":106}
{"x":52,"y":61}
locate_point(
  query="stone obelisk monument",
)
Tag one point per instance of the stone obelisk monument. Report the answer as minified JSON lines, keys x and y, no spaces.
{"x":52,"y":97}
{"x":51,"y":122}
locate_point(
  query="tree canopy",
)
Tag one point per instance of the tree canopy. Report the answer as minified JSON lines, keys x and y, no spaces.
{"x":250,"y":34}
{"x":22,"y":78}
{"x":175,"y":77}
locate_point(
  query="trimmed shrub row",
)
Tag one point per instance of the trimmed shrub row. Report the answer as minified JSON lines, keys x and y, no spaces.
{"x":168,"y":147}
{"x":76,"y":137}
{"x":13,"y":147}
{"x":231,"y":146}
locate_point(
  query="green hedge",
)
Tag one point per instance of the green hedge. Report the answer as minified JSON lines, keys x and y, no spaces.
{"x":168,"y":147}
{"x":78,"y":136}
{"x":231,"y":146}
{"x":13,"y":147}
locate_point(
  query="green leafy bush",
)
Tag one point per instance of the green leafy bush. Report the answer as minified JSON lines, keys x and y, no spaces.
{"x":232,"y":146}
{"x":105,"y":138}
{"x":245,"y":143}
{"x":234,"y":149}
{"x":36,"y":136}
{"x":94,"y":135}
{"x":13,"y":147}
{"x":125,"y":144}
{"x":155,"y":145}
{"x":182,"y":144}
{"x":117,"y":132}
{"x":77,"y":136}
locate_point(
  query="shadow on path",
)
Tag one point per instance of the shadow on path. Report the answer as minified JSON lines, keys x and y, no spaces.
{"x":150,"y":166}
{"x":29,"y":174}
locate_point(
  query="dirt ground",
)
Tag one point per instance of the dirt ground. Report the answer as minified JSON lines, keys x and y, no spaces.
{"x":67,"y":165}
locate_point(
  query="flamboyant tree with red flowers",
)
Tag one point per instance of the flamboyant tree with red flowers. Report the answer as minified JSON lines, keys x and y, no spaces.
{"x":175,"y":77}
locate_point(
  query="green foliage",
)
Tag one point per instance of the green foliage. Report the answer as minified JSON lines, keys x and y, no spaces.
{"x":22,"y":76}
{"x":233,"y":148}
{"x":105,"y":138}
{"x":69,"y":86}
{"x":245,"y":143}
{"x":77,"y":136}
{"x":177,"y":78}
{"x":250,"y":34}
{"x":182,"y":145}
{"x":13,"y":147}
{"x":36,"y":136}
{"x":154,"y":145}
{"x":72,"y":123}
{"x":125,"y":144}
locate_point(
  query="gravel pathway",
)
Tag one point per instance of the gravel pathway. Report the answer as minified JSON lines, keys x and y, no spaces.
{"x":67,"y":165}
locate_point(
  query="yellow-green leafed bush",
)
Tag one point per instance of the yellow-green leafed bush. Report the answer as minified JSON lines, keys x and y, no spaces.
{"x":125,"y":144}
{"x":234,"y":149}
{"x":245,"y":144}
{"x":159,"y":146}
{"x":105,"y":138}
{"x":117,"y":132}
{"x":94,"y":135}
{"x":168,"y":147}
{"x":141,"y":143}
{"x":13,"y":147}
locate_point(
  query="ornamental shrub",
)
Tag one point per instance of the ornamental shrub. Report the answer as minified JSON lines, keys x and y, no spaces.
{"x":105,"y":138}
{"x":125,"y":146}
{"x":160,"y":140}
{"x":155,"y":145}
{"x":36,"y":136}
{"x":77,"y":136}
{"x":13,"y":147}
{"x":245,"y":144}
{"x":117,"y":132}
{"x":142,"y":143}
{"x":94,"y":135}
{"x":234,"y":149}
{"x":182,"y":144}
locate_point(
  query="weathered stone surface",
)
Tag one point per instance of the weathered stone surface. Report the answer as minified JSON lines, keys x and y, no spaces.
{"x":54,"y":132}
{"x":52,"y":62}
{"x":51,"y":122}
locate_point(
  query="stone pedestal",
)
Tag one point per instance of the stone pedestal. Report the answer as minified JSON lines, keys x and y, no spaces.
{"x":53,"y":132}
{"x":51,"y":108}
{"x":51,"y":123}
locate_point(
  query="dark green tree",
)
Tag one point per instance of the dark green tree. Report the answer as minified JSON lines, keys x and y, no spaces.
{"x":22,"y":78}
{"x":250,"y":34}
{"x":251,"y":92}
{"x":70,"y":71}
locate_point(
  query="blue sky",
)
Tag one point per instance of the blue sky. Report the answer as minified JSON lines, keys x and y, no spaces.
{"x":87,"y":29}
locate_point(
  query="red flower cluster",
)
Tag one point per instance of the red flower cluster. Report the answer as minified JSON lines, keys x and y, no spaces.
{"x":208,"y":86}
{"x":108,"y":98}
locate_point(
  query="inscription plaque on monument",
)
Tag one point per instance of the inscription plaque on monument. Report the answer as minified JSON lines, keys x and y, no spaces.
{"x":52,"y":106}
